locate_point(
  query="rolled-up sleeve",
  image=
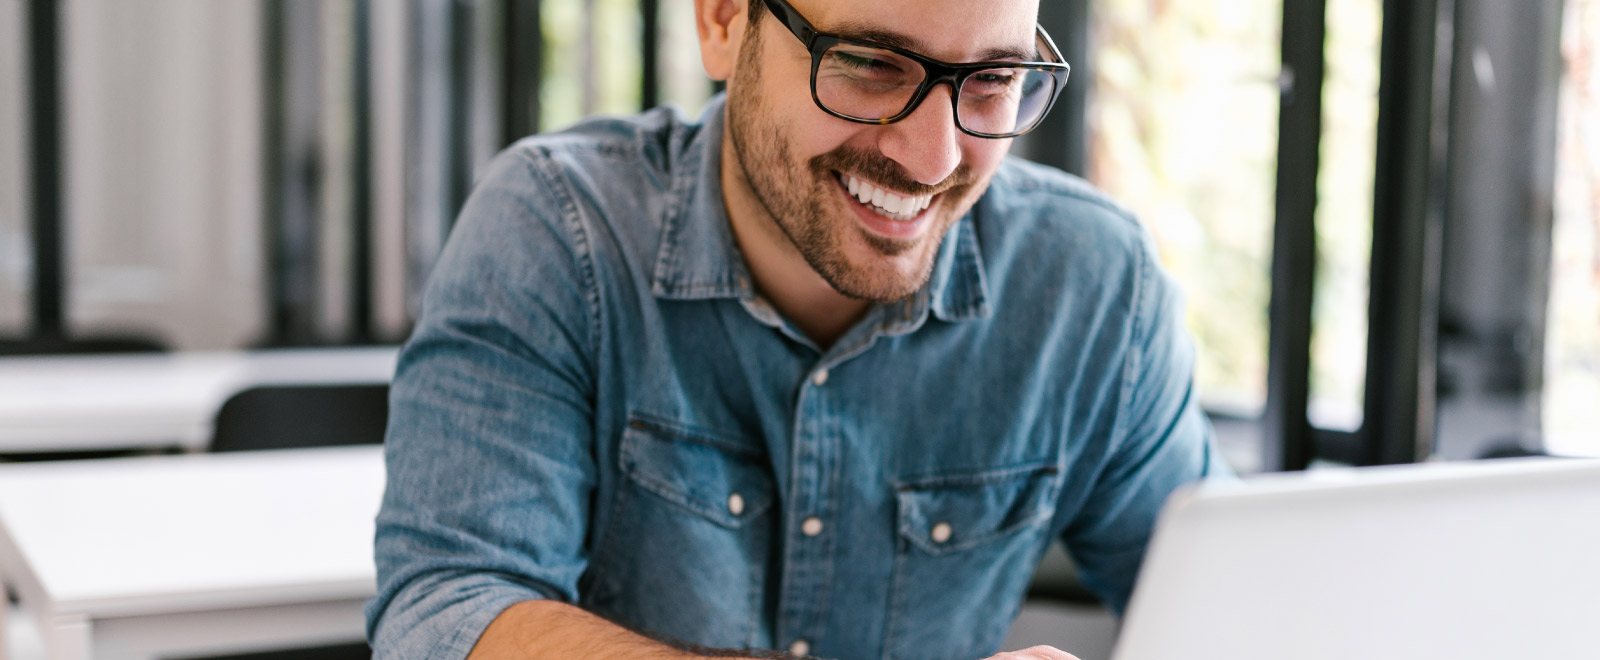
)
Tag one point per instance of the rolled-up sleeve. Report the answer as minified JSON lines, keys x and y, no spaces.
{"x":489,"y":458}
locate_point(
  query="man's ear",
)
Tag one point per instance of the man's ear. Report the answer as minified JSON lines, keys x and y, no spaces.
{"x":720,"y":24}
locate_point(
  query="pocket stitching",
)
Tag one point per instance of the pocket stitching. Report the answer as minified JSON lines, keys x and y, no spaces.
{"x":753,"y":506}
{"x":907,"y":491}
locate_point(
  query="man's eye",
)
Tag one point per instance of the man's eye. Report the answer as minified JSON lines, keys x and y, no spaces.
{"x":999,"y":79}
{"x":862,"y":62}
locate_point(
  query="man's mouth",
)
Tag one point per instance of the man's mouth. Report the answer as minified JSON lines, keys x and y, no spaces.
{"x":894,"y":206}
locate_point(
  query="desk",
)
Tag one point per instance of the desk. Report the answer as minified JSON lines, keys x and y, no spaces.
{"x":186,"y":555}
{"x":74,"y":403}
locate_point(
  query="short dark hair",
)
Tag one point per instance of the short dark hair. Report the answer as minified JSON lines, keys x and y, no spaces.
{"x":756,"y":8}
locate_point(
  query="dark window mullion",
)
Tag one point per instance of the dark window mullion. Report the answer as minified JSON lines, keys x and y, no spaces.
{"x":524,"y":45}
{"x":650,"y":56}
{"x":44,"y":119}
{"x":361,"y":280}
{"x":1287,"y":441}
{"x":1406,"y":227}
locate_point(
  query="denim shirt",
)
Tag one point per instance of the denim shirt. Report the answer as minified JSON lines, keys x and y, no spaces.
{"x":597,"y":406}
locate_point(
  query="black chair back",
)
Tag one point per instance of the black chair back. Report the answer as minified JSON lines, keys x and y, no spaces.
{"x":283,"y":417}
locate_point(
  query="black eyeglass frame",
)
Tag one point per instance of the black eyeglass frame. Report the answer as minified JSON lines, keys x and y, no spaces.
{"x":936,"y":72}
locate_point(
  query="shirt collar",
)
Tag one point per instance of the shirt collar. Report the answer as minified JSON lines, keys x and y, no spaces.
{"x":699,"y":259}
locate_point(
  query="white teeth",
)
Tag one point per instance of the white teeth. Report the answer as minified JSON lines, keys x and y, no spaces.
{"x":888,"y":204}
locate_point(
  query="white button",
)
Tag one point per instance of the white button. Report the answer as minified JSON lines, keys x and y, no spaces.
{"x":941,"y":532}
{"x":735,"y":504}
{"x":799,"y":648}
{"x":811,"y":527}
{"x":820,"y":378}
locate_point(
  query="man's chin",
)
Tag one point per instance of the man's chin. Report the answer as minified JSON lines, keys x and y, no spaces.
{"x":872,"y":275}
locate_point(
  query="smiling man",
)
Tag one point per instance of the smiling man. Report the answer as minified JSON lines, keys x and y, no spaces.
{"x":821,"y":373}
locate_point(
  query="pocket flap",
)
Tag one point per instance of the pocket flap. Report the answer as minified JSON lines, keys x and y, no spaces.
{"x":700,"y":472}
{"x":950,"y":513}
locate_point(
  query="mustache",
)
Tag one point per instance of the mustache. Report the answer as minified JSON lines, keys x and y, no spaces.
{"x":885,"y":172}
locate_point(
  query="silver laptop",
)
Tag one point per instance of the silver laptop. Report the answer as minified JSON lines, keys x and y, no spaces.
{"x":1466,"y":561}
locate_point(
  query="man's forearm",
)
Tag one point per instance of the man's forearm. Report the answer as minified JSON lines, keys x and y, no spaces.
{"x":552,"y":630}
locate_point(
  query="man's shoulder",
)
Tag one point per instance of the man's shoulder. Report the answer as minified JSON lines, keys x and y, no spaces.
{"x":1048,"y":209}
{"x":613,"y":176}
{"x":652,"y":144}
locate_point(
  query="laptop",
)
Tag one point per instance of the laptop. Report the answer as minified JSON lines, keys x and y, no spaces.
{"x":1489,"y":560}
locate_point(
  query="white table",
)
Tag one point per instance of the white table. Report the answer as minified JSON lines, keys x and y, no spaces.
{"x":171,"y":556}
{"x":73,"y":403}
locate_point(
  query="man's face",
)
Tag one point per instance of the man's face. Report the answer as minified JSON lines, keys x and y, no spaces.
{"x":801,"y":163}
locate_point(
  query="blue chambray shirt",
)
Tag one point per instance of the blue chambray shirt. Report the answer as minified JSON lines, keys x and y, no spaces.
{"x":597,"y":406}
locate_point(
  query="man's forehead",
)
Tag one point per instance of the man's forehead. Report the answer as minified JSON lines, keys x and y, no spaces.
{"x":950,"y":30}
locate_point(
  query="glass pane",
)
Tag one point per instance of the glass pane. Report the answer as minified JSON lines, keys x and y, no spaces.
{"x":163,"y":168}
{"x":683,"y":78}
{"x":15,"y":258}
{"x":1572,"y":359}
{"x":592,"y":60}
{"x":1344,"y":213}
{"x":1183,"y":122}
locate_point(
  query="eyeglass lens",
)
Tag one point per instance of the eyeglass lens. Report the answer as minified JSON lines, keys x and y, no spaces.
{"x":873,"y":83}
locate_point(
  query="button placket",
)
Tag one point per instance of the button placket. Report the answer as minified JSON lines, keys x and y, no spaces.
{"x":807,"y":581}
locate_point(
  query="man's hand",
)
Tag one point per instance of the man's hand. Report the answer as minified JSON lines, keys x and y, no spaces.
{"x":1036,"y":653}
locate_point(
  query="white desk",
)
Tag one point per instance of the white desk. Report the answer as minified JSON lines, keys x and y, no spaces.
{"x":139,"y":558}
{"x":72,"y":403}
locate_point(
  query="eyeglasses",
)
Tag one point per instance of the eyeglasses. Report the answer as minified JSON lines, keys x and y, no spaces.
{"x":873,"y":83}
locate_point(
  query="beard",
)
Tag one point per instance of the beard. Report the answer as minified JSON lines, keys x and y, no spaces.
{"x":797,"y":195}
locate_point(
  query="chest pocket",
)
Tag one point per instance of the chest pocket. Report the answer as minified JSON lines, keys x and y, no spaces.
{"x":968,"y":546}
{"x":689,"y":530}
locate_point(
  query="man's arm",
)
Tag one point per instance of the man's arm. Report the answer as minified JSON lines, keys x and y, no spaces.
{"x":491,"y":468}
{"x":1161,"y":442}
{"x":552,"y":630}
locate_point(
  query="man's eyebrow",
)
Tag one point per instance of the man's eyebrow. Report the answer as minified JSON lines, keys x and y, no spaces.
{"x":858,"y":32}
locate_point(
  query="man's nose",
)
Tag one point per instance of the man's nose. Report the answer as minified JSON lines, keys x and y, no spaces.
{"x":926,"y":143}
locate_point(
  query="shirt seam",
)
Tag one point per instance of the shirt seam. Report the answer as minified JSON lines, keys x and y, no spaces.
{"x":540,"y":163}
{"x":1135,"y":354}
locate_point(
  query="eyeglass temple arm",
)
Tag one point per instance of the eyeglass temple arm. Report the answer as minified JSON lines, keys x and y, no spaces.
{"x":1050,"y":44}
{"x":793,"y":20}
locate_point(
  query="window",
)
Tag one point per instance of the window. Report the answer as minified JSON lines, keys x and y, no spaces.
{"x":592,"y":60}
{"x":15,"y":238}
{"x":1344,"y":214}
{"x":1572,"y":371}
{"x":1182,"y":122}
{"x":168,"y":251}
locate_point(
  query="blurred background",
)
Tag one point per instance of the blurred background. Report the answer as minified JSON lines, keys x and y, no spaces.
{"x":1383,"y":212}
{"x":195,"y":174}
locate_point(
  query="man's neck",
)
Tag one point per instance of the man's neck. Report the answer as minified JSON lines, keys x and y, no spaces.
{"x":781,"y":274}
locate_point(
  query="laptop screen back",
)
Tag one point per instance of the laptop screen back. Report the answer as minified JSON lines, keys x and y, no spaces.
{"x":1489,"y":560}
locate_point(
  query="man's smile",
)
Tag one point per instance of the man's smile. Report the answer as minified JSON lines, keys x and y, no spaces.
{"x":891,"y":205}
{"x":897,"y":218}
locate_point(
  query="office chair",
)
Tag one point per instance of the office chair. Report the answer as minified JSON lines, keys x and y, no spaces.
{"x":289,"y":416}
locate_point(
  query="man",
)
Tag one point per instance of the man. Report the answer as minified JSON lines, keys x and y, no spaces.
{"x":821,"y":372}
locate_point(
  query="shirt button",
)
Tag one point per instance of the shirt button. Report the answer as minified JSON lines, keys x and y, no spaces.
{"x":799,"y":648}
{"x":820,"y":378}
{"x":811,"y":527}
{"x":941,"y":532}
{"x":735,"y":504}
